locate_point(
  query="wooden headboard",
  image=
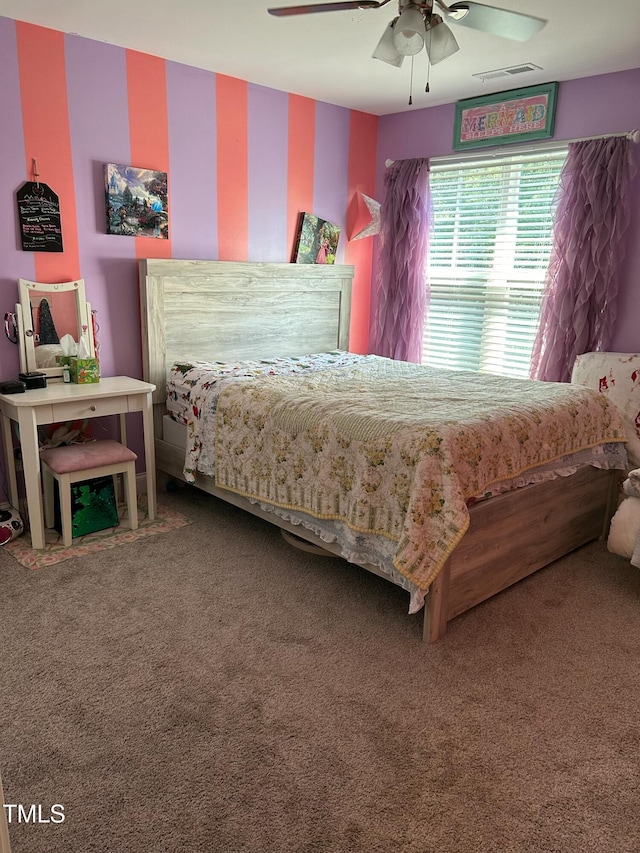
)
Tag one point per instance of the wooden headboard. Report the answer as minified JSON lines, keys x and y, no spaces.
{"x":223,"y":310}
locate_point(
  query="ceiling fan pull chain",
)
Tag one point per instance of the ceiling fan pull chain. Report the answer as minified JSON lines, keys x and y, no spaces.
{"x":411,"y":84}
{"x":426,"y":88}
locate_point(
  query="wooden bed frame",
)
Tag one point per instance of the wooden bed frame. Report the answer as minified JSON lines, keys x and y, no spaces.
{"x":226,"y":311}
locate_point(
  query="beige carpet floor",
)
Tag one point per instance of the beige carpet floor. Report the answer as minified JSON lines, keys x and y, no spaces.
{"x":213,"y":690}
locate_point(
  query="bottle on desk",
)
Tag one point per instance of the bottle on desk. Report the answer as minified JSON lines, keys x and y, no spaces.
{"x":66,"y":373}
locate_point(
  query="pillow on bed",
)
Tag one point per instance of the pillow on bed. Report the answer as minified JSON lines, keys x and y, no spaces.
{"x":616,"y":374}
{"x":187,"y":378}
{"x":265,"y":366}
{"x":191,"y":373}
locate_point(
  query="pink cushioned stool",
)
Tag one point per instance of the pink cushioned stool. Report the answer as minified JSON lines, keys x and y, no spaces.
{"x":74,"y":463}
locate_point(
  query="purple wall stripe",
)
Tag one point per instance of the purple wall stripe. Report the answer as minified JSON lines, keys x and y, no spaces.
{"x":193,"y":200}
{"x":267,"y":154}
{"x":331,"y":170}
{"x":99,"y":128}
{"x":15,"y":263}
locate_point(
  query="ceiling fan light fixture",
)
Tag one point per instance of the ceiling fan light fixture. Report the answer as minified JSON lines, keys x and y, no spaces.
{"x":386,"y":50}
{"x":409,"y":31}
{"x":441,"y":42}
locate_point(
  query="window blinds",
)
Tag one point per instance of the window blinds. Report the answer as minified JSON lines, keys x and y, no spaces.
{"x":488,"y":256}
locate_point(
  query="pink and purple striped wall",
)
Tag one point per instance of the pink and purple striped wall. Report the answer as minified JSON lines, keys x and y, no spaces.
{"x":243,"y":161}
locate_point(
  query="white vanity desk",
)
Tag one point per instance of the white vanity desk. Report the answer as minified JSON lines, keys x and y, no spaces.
{"x":60,"y":402}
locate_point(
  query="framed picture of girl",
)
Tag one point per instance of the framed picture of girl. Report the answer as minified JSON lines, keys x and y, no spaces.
{"x":317,"y":241}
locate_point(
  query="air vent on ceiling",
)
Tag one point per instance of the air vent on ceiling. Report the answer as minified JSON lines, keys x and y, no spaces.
{"x":523,"y":68}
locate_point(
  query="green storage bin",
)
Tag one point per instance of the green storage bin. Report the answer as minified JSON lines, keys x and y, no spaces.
{"x":93,"y":506}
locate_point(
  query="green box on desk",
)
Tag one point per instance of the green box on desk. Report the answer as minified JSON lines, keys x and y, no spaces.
{"x":93,"y":506}
{"x":84,"y":370}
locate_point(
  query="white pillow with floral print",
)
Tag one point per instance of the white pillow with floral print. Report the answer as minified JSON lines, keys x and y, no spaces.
{"x":616,"y":374}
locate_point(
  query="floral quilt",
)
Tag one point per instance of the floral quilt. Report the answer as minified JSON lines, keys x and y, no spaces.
{"x":396,"y":449}
{"x":193,"y":388}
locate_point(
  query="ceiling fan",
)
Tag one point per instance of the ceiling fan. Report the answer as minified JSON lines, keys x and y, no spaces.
{"x":417,"y":25}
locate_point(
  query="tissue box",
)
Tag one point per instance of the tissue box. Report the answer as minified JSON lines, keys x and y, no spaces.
{"x":64,"y":359}
{"x":84,"y":370}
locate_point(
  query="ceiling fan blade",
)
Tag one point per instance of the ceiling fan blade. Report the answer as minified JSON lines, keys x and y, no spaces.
{"x":283,"y":11}
{"x":490,"y":19}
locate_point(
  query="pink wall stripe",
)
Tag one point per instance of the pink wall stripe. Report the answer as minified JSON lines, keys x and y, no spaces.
{"x":362,"y":175}
{"x":47,"y":138}
{"x":301,"y":145}
{"x":148,"y":130}
{"x":233,"y":212}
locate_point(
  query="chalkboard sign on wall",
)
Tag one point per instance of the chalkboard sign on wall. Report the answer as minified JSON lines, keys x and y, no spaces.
{"x":39,"y":217}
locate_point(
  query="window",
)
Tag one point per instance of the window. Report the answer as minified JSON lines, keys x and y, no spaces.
{"x":488,"y":257}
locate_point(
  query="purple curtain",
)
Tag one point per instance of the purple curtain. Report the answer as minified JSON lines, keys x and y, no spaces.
{"x":581,"y":286}
{"x":405,"y":219}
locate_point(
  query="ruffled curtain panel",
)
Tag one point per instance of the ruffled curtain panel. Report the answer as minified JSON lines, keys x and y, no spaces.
{"x":581,"y":287}
{"x":405,"y":220}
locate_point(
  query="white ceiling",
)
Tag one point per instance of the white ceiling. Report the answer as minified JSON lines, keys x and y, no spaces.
{"x":328,"y":56}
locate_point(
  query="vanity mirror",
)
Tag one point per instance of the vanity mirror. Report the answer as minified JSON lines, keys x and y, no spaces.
{"x":45,"y":314}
